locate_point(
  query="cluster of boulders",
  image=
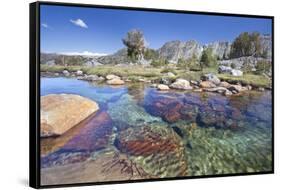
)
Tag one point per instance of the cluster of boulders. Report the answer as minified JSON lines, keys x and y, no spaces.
{"x":209,"y":83}
{"x":231,"y":71}
{"x":110,"y":79}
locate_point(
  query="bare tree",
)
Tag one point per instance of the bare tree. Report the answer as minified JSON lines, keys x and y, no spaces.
{"x":135,"y":43}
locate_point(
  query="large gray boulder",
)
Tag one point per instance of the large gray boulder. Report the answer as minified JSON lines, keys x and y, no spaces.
{"x":224,"y":69}
{"x":229,"y":70}
{"x":238,"y":63}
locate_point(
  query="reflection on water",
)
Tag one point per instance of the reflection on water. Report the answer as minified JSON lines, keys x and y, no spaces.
{"x":164,"y":134}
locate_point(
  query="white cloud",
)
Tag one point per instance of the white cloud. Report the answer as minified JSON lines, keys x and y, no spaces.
{"x":84,"y":53}
{"x":79,"y":22}
{"x":45,"y":25}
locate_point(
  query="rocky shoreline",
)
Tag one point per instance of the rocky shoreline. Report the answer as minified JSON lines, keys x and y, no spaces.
{"x":208,"y":82}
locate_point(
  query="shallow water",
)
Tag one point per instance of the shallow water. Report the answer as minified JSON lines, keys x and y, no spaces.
{"x":165,"y":134}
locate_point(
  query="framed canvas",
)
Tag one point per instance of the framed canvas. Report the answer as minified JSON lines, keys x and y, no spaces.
{"x":121,"y":94}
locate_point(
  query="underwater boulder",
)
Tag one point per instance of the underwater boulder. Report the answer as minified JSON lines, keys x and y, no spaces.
{"x":157,"y":149}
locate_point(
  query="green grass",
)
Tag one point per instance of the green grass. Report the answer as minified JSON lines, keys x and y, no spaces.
{"x":58,"y":68}
{"x":247,"y":79}
{"x":136,"y":72}
{"x":132,"y":72}
{"x":107,"y":69}
{"x":123,"y":71}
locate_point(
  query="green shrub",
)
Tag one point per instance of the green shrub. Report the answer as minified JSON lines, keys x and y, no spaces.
{"x":168,"y":69}
{"x":183,"y":64}
{"x":262,"y":67}
{"x":233,"y":66}
{"x":246,"y":44}
{"x":150,"y":54}
{"x":208,"y":59}
{"x":247,"y":67}
{"x":191,"y":63}
{"x":159,"y":62}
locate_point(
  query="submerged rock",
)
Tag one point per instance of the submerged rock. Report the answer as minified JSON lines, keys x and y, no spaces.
{"x":61,"y":112}
{"x":108,"y":165}
{"x":171,"y":110}
{"x":157,"y":149}
{"x":126,"y":112}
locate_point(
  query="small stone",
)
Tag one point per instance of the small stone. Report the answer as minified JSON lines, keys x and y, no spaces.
{"x":153,"y":85}
{"x":198,"y":90}
{"x":79,"y":73}
{"x":227,"y":93}
{"x":193,"y":82}
{"x":109,"y":77}
{"x":236,"y":72}
{"x":211,"y":77}
{"x":237,"y":88}
{"x":207,"y":84}
{"x":115,"y":81}
{"x":181,"y":84}
{"x":141,"y":80}
{"x":249,"y":87}
{"x":170,"y":74}
{"x":91,"y":78}
{"x":225,"y":84}
{"x":65,"y":73}
{"x":163,"y":87}
{"x":261,"y":89}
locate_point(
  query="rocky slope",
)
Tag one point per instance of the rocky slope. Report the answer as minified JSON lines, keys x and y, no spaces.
{"x":266,"y":44}
{"x":221,"y":49}
{"x":60,"y":59}
{"x":175,"y":50}
{"x":119,"y":57}
{"x":172,"y":51}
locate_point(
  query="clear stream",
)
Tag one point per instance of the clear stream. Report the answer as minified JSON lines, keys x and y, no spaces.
{"x":219,"y":135}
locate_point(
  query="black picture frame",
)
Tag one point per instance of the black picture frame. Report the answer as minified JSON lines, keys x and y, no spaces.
{"x":34,"y":91}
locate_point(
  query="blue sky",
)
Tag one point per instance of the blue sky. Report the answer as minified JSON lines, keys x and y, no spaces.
{"x":79,"y":29}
